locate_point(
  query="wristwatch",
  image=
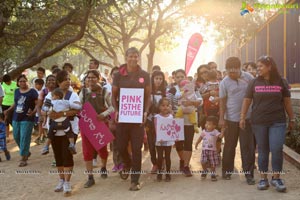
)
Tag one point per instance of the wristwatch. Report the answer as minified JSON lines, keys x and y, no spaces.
{"x":65,"y":114}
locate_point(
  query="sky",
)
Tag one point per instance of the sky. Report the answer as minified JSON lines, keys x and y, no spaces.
{"x":175,"y":59}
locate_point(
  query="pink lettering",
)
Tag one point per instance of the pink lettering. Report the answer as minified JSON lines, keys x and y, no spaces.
{"x":131,"y":99}
{"x":87,"y":120}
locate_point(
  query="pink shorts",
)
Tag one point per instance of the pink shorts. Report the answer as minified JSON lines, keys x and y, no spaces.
{"x":88,"y":150}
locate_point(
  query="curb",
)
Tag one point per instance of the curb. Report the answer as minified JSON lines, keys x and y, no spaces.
{"x":291,"y":156}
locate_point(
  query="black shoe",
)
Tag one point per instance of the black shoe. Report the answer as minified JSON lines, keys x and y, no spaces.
{"x":7,"y":155}
{"x":214,"y":177}
{"x":104,"y":173}
{"x":250,"y":181}
{"x":168,"y":178}
{"x":226,"y":176}
{"x":135,"y":187}
{"x":89,"y":183}
{"x":187,"y":172}
{"x":159,"y":177}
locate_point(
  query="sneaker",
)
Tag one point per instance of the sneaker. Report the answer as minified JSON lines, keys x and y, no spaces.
{"x":120,"y":167}
{"x":45,"y":150}
{"x":89,"y":183}
{"x":53,"y":164}
{"x":168,"y":178}
{"x":135,"y":187}
{"x":278,"y":184}
{"x":187,"y":171}
{"x":263,"y":184}
{"x":214,"y":177}
{"x":154,"y":169}
{"x":226,"y":176}
{"x":59,"y":186}
{"x":95,"y":164}
{"x":203,"y":175}
{"x":115,"y":168}
{"x":67,"y":188}
{"x":72,"y":148}
{"x":250,"y":181}
{"x":104,"y":173}
{"x":7,"y":155}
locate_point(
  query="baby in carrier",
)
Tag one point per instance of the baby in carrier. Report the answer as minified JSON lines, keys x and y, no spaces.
{"x":63,"y":123}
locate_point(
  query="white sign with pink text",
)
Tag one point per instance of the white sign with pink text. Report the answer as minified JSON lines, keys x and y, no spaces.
{"x":169,"y":129}
{"x":131,"y":105}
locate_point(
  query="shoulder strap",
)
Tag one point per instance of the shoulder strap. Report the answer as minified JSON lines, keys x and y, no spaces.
{"x":68,"y":95}
{"x":103,"y":95}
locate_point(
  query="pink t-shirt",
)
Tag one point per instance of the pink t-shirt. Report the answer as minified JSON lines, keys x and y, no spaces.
{"x":209,"y":139}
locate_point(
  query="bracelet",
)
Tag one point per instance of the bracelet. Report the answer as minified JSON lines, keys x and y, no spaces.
{"x":292,"y":120}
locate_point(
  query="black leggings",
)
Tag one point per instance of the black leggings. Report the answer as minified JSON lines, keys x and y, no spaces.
{"x":187,"y":144}
{"x":160,"y":155}
{"x":62,"y":155}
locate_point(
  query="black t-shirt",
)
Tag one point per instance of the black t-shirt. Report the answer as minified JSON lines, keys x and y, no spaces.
{"x":268,"y":105}
{"x":137,"y":79}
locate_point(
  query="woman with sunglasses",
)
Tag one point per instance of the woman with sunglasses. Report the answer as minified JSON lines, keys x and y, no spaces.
{"x":271,"y":100}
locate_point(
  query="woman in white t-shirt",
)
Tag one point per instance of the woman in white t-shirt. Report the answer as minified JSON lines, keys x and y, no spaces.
{"x":60,"y":143}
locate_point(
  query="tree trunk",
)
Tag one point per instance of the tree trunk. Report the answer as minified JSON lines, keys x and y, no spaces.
{"x":150,"y":56}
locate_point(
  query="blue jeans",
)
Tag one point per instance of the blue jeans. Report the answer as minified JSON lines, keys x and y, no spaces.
{"x":270,"y":138}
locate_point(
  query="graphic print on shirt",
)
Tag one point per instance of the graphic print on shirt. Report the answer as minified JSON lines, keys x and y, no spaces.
{"x":268,"y":88}
{"x":21,"y":104}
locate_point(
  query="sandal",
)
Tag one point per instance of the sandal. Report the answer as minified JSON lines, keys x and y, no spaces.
{"x":23,"y":163}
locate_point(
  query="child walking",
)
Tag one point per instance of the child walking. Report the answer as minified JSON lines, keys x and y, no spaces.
{"x":209,"y":155}
{"x":3,"y":138}
{"x":158,"y":91}
{"x":164,"y":148}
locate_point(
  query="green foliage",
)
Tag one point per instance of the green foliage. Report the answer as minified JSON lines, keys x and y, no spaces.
{"x":293,"y":137}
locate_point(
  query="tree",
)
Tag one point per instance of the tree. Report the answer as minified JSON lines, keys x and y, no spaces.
{"x":42,"y":28}
{"x":132,"y":23}
{"x":225,"y":15}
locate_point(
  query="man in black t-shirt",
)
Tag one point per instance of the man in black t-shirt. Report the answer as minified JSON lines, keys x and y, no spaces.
{"x":131,"y":75}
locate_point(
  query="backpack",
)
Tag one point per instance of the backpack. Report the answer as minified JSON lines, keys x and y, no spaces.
{"x":97,"y":100}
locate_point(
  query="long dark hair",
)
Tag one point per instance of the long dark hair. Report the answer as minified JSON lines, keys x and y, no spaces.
{"x":274,"y":73}
{"x":162,"y":87}
{"x":199,"y":78}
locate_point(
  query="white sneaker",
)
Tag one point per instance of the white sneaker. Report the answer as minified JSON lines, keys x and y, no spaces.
{"x":95,"y":164}
{"x":67,"y":188}
{"x":60,"y":185}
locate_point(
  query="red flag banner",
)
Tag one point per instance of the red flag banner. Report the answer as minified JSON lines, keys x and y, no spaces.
{"x":192,"y":49}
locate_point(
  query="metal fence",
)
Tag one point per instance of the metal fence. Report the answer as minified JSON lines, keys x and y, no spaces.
{"x":279,"y":37}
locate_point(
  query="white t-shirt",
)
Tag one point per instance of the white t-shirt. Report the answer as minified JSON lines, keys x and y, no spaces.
{"x":164,"y":143}
{"x":209,"y":139}
{"x":74,"y":98}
